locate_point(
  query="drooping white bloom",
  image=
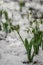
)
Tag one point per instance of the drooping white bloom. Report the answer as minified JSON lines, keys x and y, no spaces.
{"x":33,"y":25}
{"x":41,"y":27}
{"x":27,"y":4}
{"x":9,"y":14}
{"x":3,"y":18}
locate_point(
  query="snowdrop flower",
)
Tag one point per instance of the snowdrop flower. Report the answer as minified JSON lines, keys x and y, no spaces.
{"x":29,"y":11}
{"x":27,"y":4}
{"x":30,"y":29}
{"x":41,"y":27}
{"x":8,"y":27}
{"x":30,"y":35}
{"x":38,"y":20}
{"x":9,"y":14}
{"x":3,"y":20}
{"x":33,"y":25}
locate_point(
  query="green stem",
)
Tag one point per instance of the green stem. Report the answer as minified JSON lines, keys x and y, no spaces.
{"x":20,"y":37}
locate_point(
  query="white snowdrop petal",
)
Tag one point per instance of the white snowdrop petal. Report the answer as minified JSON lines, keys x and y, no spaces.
{"x":3,"y":20}
{"x":41,"y":27}
{"x":33,"y":25}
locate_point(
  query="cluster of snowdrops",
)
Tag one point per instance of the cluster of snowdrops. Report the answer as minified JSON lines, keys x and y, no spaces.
{"x":35,"y":28}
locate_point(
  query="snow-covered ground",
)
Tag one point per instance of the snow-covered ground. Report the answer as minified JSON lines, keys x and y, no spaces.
{"x":12,"y":51}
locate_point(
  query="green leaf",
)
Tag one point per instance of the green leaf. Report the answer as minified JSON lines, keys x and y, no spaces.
{"x":6,"y":15}
{"x":5,"y":27}
{"x":36,"y":48}
{"x":26,"y":45}
{"x":42,"y":44}
{"x":32,"y":56}
{"x":31,"y":42}
{"x":39,"y":41}
{"x":0,"y":27}
{"x":0,"y":13}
